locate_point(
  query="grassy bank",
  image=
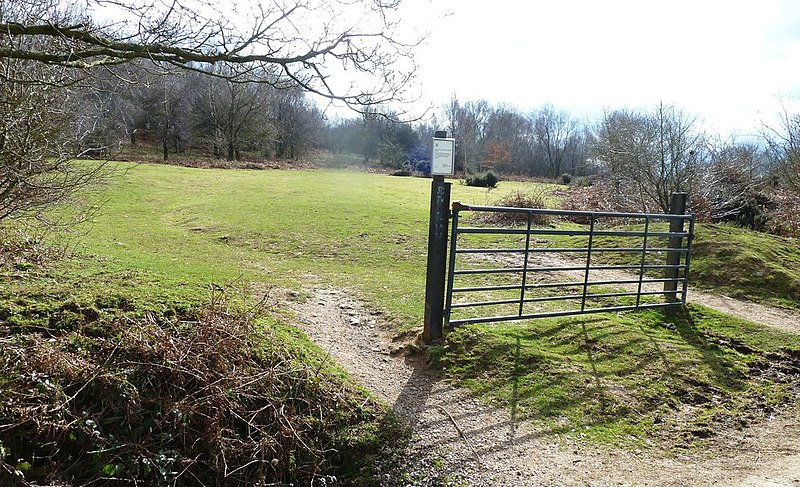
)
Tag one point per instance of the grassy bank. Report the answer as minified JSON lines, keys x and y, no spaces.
{"x":118,"y":376}
{"x":748,"y":265}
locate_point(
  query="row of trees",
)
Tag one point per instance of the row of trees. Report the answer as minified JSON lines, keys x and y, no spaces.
{"x":207,"y":112}
{"x":643,"y":155}
{"x":71,"y":86}
{"x":545,"y":142}
{"x":75,"y":76}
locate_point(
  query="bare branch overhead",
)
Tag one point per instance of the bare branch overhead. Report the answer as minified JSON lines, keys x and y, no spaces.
{"x":347,"y":50}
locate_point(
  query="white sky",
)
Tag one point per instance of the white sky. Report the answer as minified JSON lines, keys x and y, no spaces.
{"x":728,"y":62}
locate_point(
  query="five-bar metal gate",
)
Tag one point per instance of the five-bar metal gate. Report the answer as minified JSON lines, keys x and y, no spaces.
{"x":528,"y":269}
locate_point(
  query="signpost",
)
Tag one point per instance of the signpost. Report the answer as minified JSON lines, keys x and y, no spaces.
{"x":442,"y":164}
{"x":443,"y":160}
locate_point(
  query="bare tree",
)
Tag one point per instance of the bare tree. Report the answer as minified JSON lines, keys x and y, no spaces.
{"x":37,"y":139}
{"x":473,"y":117}
{"x":559,"y":136}
{"x":451,"y":114}
{"x":650,"y":155}
{"x":108,"y":110}
{"x":507,"y":128}
{"x":233,"y":116}
{"x":783,"y":149}
{"x":297,"y":123}
{"x":284,"y":43}
{"x":165,"y":103}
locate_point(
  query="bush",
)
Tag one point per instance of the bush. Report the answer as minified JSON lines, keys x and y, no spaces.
{"x":590,"y":198}
{"x":536,"y":198}
{"x":566,"y":178}
{"x":582,"y":181}
{"x":785,"y":218}
{"x":214,"y":396}
{"x":486,"y":179}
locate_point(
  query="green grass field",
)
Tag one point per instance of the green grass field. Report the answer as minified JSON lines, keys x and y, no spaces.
{"x":288,"y":228}
{"x":165,"y":233}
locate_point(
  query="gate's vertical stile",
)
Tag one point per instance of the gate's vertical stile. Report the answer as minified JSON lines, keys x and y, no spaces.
{"x":677,"y":207}
{"x":525,"y":265}
{"x":451,"y":267}
{"x":588,"y":263}
{"x":644,"y":259}
{"x":689,"y":239}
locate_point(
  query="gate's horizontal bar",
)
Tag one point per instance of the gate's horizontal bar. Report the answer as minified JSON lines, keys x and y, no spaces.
{"x":554,"y":298}
{"x":490,"y":251}
{"x":458,"y":206}
{"x":484,"y":303}
{"x":488,"y":288}
{"x":517,"y":270}
{"x":551,"y":314}
{"x":505,"y":270}
{"x":563,"y":250}
{"x":563,"y":284}
{"x":572,"y":233}
{"x":602,"y":283}
{"x":605,"y":267}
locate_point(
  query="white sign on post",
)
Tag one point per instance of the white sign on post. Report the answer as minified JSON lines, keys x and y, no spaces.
{"x":443,"y":162}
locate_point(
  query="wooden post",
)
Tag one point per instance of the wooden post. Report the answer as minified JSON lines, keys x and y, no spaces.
{"x":437,"y":259}
{"x":677,"y":206}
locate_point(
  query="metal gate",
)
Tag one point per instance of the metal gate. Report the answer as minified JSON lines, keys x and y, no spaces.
{"x":513,"y":264}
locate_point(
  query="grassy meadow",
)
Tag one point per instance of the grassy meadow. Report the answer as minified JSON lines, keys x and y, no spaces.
{"x":165,"y":234}
{"x":189,"y":227}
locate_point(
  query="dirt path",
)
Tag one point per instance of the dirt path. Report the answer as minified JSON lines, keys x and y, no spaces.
{"x":777,"y":318}
{"x":455,"y":437}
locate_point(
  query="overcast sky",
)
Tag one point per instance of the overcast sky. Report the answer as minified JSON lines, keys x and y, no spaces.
{"x":728,"y":62}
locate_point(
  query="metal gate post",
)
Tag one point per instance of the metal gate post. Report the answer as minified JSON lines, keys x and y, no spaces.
{"x":437,"y":259}
{"x":677,"y":206}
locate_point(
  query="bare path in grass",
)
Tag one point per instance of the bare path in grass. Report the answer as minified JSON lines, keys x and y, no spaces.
{"x":781,"y":319}
{"x":457,"y":438}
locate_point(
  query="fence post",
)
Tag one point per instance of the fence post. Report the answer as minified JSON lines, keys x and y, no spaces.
{"x":437,"y":259}
{"x":677,"y":206}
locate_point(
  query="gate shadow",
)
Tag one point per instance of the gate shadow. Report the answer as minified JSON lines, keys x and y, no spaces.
{"x":429,"y":401}
{"x":411,"y":402}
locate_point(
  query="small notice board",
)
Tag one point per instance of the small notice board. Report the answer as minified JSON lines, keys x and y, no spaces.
{"x":443,"y":162}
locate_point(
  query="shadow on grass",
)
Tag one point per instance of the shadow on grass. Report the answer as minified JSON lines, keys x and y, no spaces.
{"x":716,"y":354}
{"x":615,"y":372}
{"x":411,"y":402}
